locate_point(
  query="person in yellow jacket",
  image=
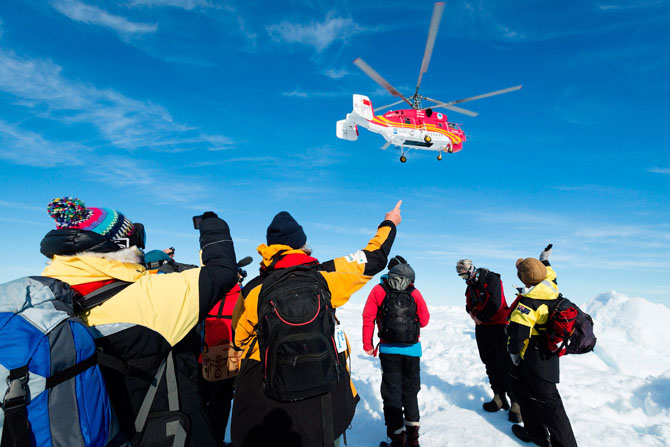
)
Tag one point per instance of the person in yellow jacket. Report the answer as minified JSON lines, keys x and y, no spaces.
{"x":97,"y":251}
{"x":536,"y":370}
{"x":261,"y":420}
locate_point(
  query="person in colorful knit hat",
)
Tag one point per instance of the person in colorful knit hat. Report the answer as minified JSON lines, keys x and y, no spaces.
{"x":143,"y":316}
{"x":80,"y":228}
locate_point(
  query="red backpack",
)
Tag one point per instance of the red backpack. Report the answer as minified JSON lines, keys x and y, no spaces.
{"x":570,"y":330}
{"x":220,"y":360}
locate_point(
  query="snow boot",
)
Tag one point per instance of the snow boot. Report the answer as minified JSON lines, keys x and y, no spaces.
{"x":499,"y":402}
{"x":521,"y":433}
{"x":398,"y":438}
{"x":412,"y":434}
{"x":515,"y":413}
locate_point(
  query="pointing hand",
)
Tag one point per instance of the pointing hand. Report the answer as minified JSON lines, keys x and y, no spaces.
{"x":394,"y":214}
{"x":544,"y":256}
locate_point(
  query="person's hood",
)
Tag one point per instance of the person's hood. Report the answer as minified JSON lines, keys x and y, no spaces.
{"x":545,"y":290}
{"x":269,"y":252}
{"x":88,"y":267}
{"x":70,"y":241}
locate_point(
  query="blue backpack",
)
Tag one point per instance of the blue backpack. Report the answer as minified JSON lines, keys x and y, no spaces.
{"x":52,"y":392}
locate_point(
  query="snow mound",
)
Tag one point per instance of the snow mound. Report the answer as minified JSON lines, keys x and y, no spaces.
{"x":633,"y":335}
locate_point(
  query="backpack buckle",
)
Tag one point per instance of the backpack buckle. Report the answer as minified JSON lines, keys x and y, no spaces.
{"x":16,"y":393}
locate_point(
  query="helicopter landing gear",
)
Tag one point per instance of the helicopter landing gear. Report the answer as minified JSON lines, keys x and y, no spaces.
{"x":427,"y":139}
{"x":450,"y":150}
{"x":403,"y":159}
{"x":439,"y":156}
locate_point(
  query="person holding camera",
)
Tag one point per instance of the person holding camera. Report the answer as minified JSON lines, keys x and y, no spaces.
{"x":139,"y":317}
{"x":220,"y":361}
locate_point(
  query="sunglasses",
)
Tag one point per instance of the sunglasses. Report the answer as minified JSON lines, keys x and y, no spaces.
{"x":464,"y":275}
{"x":137,"y":238}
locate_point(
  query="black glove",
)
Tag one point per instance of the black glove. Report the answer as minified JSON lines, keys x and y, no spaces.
{"x":208,"y":215}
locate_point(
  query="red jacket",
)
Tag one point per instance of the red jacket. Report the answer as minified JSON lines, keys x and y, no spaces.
{"x":371,"y":308}
{"x":485,"y":298}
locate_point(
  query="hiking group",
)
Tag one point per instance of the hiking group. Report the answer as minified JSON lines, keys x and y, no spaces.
{"x":111,"y":346}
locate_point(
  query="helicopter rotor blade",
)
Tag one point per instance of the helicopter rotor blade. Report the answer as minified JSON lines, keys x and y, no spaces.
{"x":438,"y":9}
{"x":435,"y":101}
{"x":388,"y":105}
{"x":368,"y":70}
{"x":486,"y":95}
{"x":455,"y":109}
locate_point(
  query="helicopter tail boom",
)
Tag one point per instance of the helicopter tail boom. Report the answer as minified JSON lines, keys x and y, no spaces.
{"x":363,"y":107}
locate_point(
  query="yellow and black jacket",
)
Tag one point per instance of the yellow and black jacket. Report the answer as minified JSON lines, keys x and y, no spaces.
{"x":527,"y":328}
{"x":148,"y":318}
{"x":256,"y":417}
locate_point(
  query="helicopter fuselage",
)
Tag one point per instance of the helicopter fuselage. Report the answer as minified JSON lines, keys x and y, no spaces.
{"x":407,"y":128}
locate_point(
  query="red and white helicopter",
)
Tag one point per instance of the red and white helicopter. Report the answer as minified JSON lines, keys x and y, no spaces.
{"x":415,"y":128}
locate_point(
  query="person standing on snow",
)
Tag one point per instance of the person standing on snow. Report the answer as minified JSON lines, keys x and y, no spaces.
{"x":319,"y":420}
{"x":485,"y":303}
{"x":399,"y":310}
{"x":220,"y":360}
{"x":536,"y":370}
{"x":98,"y":250}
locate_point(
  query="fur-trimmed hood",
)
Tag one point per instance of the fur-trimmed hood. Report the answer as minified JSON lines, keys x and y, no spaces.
{"x":86,"y":267}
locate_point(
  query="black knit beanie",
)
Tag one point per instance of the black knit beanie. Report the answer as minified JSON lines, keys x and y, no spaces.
{"x":285,"y":230}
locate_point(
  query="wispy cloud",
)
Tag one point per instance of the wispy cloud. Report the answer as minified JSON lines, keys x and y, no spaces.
{"x":20,"y":221}
{"x":130,"y":172}
{"x":639,"y":232}
{"x":629,"y":5}
{"x":21,"y":206}
{"x":92,"y":15}
{"x":343,"y":229}
{"x":319,"y":35}
{"x":659,"y":170}
{"x":336,"y":74}
{"x":124,"y":122}
{"x":297,"y":93}
{"x":29,"y":148}
{"x":181,"y":4}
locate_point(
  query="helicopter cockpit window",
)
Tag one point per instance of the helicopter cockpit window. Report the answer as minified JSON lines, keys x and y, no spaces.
{"x":452,"y":126}
{"x":408,"y":121}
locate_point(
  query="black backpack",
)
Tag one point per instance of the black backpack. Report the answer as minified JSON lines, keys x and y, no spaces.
{"x":397,"y":318}
{"x":296,"y":330}
{"x":570,"y":330}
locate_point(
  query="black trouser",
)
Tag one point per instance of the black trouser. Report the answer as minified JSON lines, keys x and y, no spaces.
{"x":217,"y":398}
{"x":492,"y":345}
{"x":401,"y":383}
{"x":541,"y":406}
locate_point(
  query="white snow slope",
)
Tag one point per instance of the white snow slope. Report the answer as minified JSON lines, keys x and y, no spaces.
{"x":619,"y":395}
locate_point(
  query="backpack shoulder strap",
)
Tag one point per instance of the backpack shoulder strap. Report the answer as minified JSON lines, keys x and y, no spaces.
{"x":15,"y":432}
{"x":99,"y":296}
{"x":176,"y":429}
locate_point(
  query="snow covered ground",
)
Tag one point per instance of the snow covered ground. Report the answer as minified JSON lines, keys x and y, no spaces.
{"x":618,"y":395}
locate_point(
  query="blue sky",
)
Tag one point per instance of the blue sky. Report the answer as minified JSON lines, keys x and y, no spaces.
{"x":165,"y":108}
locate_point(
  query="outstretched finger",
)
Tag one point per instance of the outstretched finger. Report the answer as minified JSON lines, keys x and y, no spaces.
{"x":397,"y":205}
